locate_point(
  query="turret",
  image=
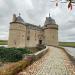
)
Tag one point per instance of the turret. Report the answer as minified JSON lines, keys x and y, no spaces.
{"x":50,"y":31}
{"x":17,"y":32}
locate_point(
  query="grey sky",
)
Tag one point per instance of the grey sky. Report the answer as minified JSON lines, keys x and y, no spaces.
{"x":35,"y":11}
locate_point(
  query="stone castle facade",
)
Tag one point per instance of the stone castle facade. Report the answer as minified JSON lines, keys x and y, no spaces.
{"x":22,"y":34}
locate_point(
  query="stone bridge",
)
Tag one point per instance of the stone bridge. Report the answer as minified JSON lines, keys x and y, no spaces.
{"x":54,"y":62}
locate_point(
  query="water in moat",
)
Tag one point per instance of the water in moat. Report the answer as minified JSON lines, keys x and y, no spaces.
{"x":70,"y":50}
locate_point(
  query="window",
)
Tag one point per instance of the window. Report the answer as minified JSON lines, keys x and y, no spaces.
{"x":28,"y":31}
{"x":28,"y":38}
{"x":40,"y":41}
{"x":45,"y":25}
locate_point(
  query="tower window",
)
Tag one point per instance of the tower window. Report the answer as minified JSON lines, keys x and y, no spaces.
{"x":28,"y":38}
{"x":15,"y":42}
{"x":45,"y":25}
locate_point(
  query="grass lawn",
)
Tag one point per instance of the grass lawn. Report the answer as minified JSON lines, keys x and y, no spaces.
{"x":3,"y":42}
{"x":69,"y":44}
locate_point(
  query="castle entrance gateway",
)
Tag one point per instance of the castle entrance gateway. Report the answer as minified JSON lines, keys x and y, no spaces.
{"x":40,"y":41}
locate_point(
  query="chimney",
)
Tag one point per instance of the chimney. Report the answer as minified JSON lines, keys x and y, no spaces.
{"x":14,"y":17}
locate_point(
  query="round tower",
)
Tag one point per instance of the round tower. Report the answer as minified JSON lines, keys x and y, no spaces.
{"x":17,"y":32}
{"x":50,"y":31}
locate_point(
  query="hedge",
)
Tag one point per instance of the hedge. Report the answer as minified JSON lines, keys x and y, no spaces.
{"x":20,"y":65}
{"x":12,"y":54}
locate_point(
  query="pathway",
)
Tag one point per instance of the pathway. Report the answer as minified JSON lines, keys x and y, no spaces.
{"x":53,"y":63}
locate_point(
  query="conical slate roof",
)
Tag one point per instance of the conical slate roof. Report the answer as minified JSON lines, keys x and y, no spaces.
{"x":49,"y":21}
{"x":19,"y":19}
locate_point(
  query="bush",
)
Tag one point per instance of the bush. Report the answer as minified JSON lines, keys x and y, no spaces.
{"x":14,"y":68}
{"x":24,"y":50}
{"x":40,"y":46}
{"x":12,"y":54}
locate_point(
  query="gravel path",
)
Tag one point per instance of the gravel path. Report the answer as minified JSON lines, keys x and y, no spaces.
{"x":53,"y":63}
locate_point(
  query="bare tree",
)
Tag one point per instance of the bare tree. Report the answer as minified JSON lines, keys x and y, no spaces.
{"x":71,"y":3}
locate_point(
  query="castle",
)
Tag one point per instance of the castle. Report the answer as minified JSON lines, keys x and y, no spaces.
{"x":22,"y":34}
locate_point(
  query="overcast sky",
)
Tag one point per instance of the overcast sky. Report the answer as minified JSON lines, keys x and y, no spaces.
{"x":35,"y":12}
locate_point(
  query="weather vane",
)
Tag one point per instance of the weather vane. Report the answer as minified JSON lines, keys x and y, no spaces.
{"x":49,"y":14}
{"x":19,"y":14}
{"x":70,"y":3}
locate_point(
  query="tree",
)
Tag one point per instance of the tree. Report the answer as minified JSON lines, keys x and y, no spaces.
{"x":70,"y":3}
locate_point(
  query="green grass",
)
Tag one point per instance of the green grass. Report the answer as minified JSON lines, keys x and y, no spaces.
{"x":3,"y":42}
{"x":69,"y":44}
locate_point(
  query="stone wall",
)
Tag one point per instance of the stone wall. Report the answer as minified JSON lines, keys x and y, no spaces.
{"x":33,"y":38}
{"x":51,"y":35}
{"x":22,"y":36}
{"x":17,"y":35}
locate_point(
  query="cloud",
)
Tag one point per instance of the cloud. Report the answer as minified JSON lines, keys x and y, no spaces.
{"x":35,"y":11}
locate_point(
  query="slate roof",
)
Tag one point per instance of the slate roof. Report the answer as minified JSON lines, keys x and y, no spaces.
{"x":19,"y":19}
{"x":31,"y":26}
{"x":49,"y":21}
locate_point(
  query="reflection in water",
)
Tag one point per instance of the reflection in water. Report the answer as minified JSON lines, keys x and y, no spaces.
{"x":70,"y":50}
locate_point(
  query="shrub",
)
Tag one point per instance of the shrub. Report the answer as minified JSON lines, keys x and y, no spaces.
{"x":12,"y":54}
{"x":40,"y":46}
{"x":24,"y":50}
{"x":14,"y":68}
{"x":7,"y":54}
